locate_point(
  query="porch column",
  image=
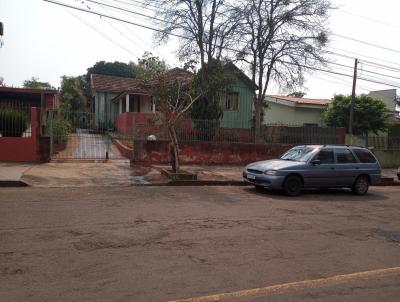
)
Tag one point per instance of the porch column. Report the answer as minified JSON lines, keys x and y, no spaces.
{"x":153,"y":105}
{"x":127,"y":103}
{"x":120,"y":106}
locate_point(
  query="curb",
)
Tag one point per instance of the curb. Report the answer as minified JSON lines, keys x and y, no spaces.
{"x":207,"y":183}
{"x":180,"y":183}
{"x":12,"y":184}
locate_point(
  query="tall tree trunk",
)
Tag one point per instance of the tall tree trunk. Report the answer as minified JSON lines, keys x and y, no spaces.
{"x":257,"y":122}
{"x":174,"y":149}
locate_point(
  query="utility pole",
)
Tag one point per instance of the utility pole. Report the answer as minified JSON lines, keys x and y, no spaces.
{"x":353,"y":98}
{"x":1,"y":34}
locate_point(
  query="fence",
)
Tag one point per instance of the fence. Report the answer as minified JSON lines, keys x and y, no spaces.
{"x":384,"y":142}
{"x":211,"y":130}
{"x":296,"y":134}
{"x":20,"y":135}
{"x":15,"y":120}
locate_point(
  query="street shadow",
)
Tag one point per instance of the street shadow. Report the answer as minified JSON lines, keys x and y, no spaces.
{"x":322,"y":195}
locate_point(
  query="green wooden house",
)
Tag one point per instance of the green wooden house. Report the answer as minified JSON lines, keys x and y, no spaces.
{"x":116,"y":96}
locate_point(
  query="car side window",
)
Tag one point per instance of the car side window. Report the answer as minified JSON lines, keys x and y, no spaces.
{"x":364,"y":156}
{"x":325,"y":156}
{"x":345,"y":156}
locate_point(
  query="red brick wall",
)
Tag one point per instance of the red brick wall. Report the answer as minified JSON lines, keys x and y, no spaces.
{"x":23,"y":149}
{"x":207,"y":152}
{"x":124,"y":123}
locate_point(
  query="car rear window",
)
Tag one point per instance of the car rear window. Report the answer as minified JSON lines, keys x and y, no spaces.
{"x":344,"y":156}
{"x":364,"y":156}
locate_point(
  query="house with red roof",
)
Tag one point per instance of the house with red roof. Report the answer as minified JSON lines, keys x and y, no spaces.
{"x":126,"y":103}
{"x":290,"y":110}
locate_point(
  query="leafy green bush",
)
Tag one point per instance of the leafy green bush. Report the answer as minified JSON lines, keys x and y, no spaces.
{"x":61,"y":130}
{"x":13,"y":122}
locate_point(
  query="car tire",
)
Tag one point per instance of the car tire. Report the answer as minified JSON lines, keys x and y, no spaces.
{"x":361,"y":185}
{"x":292,"y":185}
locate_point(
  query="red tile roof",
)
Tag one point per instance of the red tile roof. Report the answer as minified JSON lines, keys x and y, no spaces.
{"x":107,"y":83}
{"x":28,"y":90}
{"x":303,"y":101}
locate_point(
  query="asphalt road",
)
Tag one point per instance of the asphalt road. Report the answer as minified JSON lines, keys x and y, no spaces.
{"x":205,"y":243}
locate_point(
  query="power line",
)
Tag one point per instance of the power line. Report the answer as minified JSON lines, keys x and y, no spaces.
{"x":118,"y":30}
{"x":125,"y":10}
{"x":381,"y":66}
{"x":366,"y":56}
{"x":180,"y":36}
{"x":339,"y":73}
{"x":101,"y":33}
{"x":114,"y":18}
{"x":161,"y":20}
{"x":368,"y":18}
{"x":368,"y":71}
{"x":366,"y":43}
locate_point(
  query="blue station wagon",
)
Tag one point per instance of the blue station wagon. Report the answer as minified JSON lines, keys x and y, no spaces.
{"x":317,"y":166}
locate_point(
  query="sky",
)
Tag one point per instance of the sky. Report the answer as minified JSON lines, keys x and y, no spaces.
{"x":48,"y":41}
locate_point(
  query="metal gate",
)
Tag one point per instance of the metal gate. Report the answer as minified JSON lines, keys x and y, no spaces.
{"x":78,"y":136}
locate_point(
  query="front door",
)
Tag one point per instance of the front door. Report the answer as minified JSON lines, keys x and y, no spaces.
{"x":323,"y":173}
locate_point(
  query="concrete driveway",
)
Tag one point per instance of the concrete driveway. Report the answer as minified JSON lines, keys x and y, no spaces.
{"x":206,"y":243}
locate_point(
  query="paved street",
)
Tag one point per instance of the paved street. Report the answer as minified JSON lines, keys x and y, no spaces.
{"x":171,"y":243}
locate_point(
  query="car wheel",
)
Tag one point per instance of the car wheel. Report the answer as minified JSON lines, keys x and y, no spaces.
{"x":292,"y":185}
{"x":361,"y":185}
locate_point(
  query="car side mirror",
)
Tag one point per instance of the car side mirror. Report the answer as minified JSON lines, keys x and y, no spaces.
{"x":315,"y":162}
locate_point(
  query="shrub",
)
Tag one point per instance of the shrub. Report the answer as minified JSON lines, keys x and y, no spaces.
{"x":61,"y":130}
{"x":13,"y":122}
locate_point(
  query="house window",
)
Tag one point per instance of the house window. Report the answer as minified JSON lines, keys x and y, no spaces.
{"x":230,"y":101}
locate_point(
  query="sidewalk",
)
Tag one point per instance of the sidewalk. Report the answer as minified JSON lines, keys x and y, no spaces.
{"x":11,"y":174}
{"x":234,"y":173}
{"x":120,"y":173}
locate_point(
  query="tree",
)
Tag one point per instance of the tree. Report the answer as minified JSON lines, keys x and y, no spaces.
{"x":370,"y":114}
{"x":72,"y":96}
{"x":117,"y":69}
{"x":173,"y":98}
{"x":297,"y":94}
{"x":2,"y":83}
{"x":149,"y":66}
{"x":35,"y":83}
{"x":205,"y":27}
{"x":279,"y":39}
{"x":211,"y":83}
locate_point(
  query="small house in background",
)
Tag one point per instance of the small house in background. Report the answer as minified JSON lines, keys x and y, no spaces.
{"x":392,"y":102}
{"x":294,"y":111}
{"x":389,"y":97}
{"x":114,"y":96}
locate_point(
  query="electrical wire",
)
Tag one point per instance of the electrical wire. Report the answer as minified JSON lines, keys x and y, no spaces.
{"x":180,"y":36}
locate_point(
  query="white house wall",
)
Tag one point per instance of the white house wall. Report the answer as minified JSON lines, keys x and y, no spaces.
{"x":282,"y":114}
